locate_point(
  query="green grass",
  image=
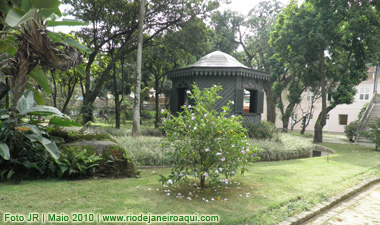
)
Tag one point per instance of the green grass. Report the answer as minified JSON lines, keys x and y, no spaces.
{"x":277,"y":190}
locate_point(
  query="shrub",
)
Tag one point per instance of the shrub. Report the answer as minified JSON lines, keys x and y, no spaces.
{"x":351,"y":130}
{"x":373,"y":133}
{"x":145,"y":151}
{"x":206,"y":144}
{"x":262,"y":130}
{"x":287,"y":147}
{"x":77,"y":162}
{"x":147,"y":115}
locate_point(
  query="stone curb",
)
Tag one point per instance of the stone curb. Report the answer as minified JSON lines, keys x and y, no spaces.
{"x":333,"y":201}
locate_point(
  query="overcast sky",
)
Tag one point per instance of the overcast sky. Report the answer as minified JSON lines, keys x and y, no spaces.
{"x":244,"y":6}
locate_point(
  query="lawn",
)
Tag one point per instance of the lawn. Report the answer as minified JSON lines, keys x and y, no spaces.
{"x":276,"y":190}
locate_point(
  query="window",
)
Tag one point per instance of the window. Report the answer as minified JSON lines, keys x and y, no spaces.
{"x":343,"y":118}
{"x":250,"y":101}
{"x":364,"y":93}
{"x":310,"y":96}
{"x":183,"y":98}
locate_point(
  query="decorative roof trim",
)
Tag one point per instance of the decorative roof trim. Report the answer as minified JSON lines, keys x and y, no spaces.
{"x":213,"y":71}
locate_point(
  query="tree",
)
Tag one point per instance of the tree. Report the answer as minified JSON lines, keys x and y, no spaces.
{"x":137,"y":102}
{"x":111,"y":20}
{"x":27,"y":22}
{"x":207,"y":144}
{"x":252,"y":33}
{"x":335,"y":41}
{"x":173,"y":50}
{"x":64,"y":84}
{"x":255,"y":42}
{"x":224,"y":26}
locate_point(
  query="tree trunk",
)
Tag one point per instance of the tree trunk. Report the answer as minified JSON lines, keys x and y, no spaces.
{"x":271,"y":102}
{"x":117,"y":111}
{"x":321,"y":122}
{"x":4,"y":93}
{"x":285,"y":124}
{"x":136,"y":107}
{"x":156,"y":122}
{"x":71,"y":88}
{"x":86,"y":111}
{"x":203,"y":179}
{"x":303,"y":126}
{"x":117,"y":101}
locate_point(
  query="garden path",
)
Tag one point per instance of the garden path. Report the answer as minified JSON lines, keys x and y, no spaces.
{"x":361,"y":209}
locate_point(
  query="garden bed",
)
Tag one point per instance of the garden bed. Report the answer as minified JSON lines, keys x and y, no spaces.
{"x":277,"y":190}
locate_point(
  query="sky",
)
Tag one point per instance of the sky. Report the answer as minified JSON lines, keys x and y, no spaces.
{"x":244,"y":6}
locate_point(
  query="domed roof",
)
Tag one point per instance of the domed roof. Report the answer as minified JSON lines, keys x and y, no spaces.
{"x":218,"y":64}
{"x":218,"y":59}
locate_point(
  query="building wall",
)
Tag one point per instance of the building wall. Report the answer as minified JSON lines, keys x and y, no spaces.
{"x":233,"y":90}
{"x":363,"y":96}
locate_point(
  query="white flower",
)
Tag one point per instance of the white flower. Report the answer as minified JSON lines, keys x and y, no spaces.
{"x":218,"y":153}
{"x":162,"y":110}
{"x":207,"y":150}
{"x":170,"y":181}
{"x":189,"y":198}
{"x":232,"y":102}
{"x":188,"y":92}
{"x":220,"y":169}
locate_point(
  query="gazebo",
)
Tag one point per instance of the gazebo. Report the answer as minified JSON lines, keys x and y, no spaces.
{"x":241,"y":84}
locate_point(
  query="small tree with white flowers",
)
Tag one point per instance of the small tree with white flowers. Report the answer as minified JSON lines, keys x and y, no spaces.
{"x":207,"y":144}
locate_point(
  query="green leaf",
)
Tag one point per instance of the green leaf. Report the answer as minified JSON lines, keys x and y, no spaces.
{"x":4,"y":7}
{"x":48,"y":12}
{"x":45,"y":4}
{"x":11,"y":41}
{"x":25,"y":102}
{"x":55,"y":37}
{"x":40,"y":77}
{"x":35,"y":130}
{"x":32,"y":137}
{"x":64,"y":122}
{"x":77,"y":45}
{"x":25,"y":5}
{"x":36,"y":94}
{"x":41,"y":110}
{"x":3,"y":46}
{"x":81,"y":70}
{"x":38,"y":97}
{"x":4,"y":151}
{"x":51,"y":23}
{"x":51,"y":147}
{"x":16,"y":17}
{"x":10,"y":174}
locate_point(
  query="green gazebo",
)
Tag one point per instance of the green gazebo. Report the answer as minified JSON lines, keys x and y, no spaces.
{"x":241,"y":84}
